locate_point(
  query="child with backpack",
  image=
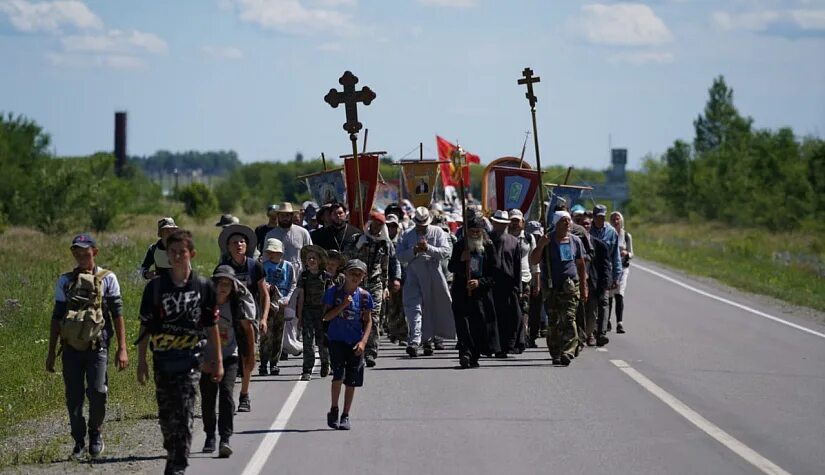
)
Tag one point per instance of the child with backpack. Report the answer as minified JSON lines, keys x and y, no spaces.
{"x":237,"y":316}
{"x":348,"y":310}
{"x":280,"y":276}
{"x":178,"y":317}
{"x":88,"y":308}
{"x":312,"y":285}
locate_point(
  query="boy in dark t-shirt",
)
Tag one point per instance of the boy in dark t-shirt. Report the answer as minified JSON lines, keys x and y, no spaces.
{"x":312,"y":285}
{"x":177,"y":313}
{"x":348,"y":309}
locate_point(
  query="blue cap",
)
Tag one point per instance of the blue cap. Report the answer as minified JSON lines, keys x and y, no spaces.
{"x":84,"y":240}
{"x":577,"y":209}
{"x":600,"y":210}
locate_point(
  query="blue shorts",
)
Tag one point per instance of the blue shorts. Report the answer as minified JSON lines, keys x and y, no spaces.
{"x":345,"y":364}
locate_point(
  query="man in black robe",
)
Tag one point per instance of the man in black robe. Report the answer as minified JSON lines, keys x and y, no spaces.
{"x":507,"y":288}
{"x":474,"y":309}
{"x":339,"y":235}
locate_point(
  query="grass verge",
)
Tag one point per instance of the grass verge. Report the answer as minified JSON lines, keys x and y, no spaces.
{"x":788,"y":266}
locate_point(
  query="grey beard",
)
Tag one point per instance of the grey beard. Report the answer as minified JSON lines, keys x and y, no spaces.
{"x":475,"y":245}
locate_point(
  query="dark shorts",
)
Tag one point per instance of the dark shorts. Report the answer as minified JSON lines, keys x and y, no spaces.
{"x":345,"y":364}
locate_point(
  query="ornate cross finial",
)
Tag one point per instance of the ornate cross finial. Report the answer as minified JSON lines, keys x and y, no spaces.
{"x":350,"y":98}
{"x":529,"y":79}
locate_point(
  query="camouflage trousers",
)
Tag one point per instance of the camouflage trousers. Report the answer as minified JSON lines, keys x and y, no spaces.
{"x":561,"y":303}
{"x":394,"y":313}
{"x":377,"y":292}
{"x":312,"y":333}
{"x":273,"y":340}
{"x":176,"y":393}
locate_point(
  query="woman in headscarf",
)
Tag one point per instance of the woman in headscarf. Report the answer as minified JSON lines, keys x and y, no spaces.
{"x":626,"y":253}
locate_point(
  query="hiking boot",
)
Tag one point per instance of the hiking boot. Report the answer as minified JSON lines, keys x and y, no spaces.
{"x":602,"y":340}
{"x":306,"y":377}
{"x":464,"y":361}
{"x":428,"y":351}
{"x":473,"y":363}
{"x":78,"y":451}
{"x":209,"y":444}
{"x":344,"y":423}
{"x":332,"y":418}
{"x":591,"y":340}
{"x":224,"y":449}
{"x":556,"y":361}
{"x":564,"y":359}
{"x":96,"y":445}
{"x":370,"y":361}
{"x":619,"y":328}
{"x":412,"y":350}
{"x":244,"y":403}
{"x":263,"y":371}
{"x":324,"y":370}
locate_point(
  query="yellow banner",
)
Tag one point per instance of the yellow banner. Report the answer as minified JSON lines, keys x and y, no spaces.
{"x":419,"y":181}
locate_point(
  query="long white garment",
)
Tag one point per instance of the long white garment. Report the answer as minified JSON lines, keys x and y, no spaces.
{"x":427,"y":302}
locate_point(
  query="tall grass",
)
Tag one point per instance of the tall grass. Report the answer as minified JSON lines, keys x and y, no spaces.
{"x":789,"y":266}
{"x":30,"y":263}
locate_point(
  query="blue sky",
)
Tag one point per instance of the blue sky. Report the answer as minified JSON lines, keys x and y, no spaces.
{"x":250,"y":75}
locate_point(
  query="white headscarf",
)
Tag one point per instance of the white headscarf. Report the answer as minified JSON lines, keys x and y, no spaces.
{"x":620,"y":229}
{"x":560,"y":214}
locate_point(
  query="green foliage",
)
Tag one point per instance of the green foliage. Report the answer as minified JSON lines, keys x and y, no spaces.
{"x":198,"y":201}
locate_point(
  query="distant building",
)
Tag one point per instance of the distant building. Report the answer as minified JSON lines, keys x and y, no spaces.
{"x":615,"y":190}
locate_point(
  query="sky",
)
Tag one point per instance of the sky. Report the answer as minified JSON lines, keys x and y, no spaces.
{"x":250,"y":75}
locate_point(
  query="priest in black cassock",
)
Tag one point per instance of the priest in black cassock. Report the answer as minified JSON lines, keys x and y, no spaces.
{"x":507,"y":288}
{"x":474,"y":309}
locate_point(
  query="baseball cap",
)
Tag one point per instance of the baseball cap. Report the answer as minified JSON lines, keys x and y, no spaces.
{"x":84,"y":241}
{"x":600,"y":210}
{"x":356,"y":264}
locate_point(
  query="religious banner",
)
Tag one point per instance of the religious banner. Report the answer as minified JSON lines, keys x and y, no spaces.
{"x":567,"y":195}
{"x":515,"y":188}
{"x":327,"y":186}
{"x":368,"y":167}
{"x":387,"y":192}
{"x":419,"y":181}
{"x":449,"y":168}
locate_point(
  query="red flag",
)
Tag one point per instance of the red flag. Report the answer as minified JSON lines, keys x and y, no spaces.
{"x":449,"y":173}
{"x":368,"y":166}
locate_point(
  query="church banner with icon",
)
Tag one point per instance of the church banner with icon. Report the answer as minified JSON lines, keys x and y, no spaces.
{"x":515,"y":187}
{"x":387,"y":192}
{"x":327,"y":186}
{"x":368,"y":168}
{"x":419,"y":181}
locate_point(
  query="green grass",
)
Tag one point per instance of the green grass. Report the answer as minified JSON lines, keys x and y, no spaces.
{"x":789,"y":266}
{"x":30,"y":263}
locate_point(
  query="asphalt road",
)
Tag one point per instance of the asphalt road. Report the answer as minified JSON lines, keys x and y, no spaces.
{"x":756,"y":385}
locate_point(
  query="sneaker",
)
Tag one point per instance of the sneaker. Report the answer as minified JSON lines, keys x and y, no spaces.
{"x":556,"y":361}
{"x":332,"y":418}
{"x":344,"y":423}
{"x":402,"y":343}
{"x":532,"y":344}
{"x":244,"y":403}
{"x":224,"y":449}
{"x":602,"y":340}
{"x":274,"y":370}
{"x":439,"y":345}
{"x":324,"y":370}
{"x":209,"y":444}
{"x":96,"y":445}
{"x":306,"y":377}
{"x":474,"y":364}
{"x":464,"y":361}
{"x":370,"y":361}
{"x":591,"y":340}
{"x":412,"y":350}
{"x":78,"y":451}
{"x":501,"y":355}
{"x":262,"y":371}
{"x":619,"y":328}
{"x":428,"y":351}
{"x":564,"y":359}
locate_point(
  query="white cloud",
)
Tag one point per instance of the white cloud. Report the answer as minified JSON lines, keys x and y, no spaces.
{"x":787,"y":22}
{"x":291,"y":16}
{"x":222,"y":53}
{"x":115,"y":41}
{"x":49,"y":17}
{"x":449,"y":3}
{"x":643,"y":57}
{"x":624,"y":24}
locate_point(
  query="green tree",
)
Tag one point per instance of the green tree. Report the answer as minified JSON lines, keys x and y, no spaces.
{"x":721,"y":123}
{"x":677,"y":189}
{"x":198,"y":201}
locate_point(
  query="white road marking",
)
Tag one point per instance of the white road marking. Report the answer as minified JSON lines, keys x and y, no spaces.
{"x":729,"y":302}
{"x":603,"y":350}
{"x":259,"y":458}
{"x":740,"y":449}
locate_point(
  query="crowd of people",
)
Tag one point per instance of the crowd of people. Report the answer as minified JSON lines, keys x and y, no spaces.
{"x":309,"y":279}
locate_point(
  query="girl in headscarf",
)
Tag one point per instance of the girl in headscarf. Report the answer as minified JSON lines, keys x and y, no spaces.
{"x":626,"y":253}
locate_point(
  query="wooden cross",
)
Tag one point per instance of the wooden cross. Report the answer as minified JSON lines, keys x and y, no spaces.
{"x":529,"y":79}
{"x":350,"y":98}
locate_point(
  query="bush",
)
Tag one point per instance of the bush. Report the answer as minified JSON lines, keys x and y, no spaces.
{"x":198,"y":201}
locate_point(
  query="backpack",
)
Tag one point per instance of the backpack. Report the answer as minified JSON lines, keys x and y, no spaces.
{"x":83,"y":323}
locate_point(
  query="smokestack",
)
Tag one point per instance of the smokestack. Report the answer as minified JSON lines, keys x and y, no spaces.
{"x":120,"y":142}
